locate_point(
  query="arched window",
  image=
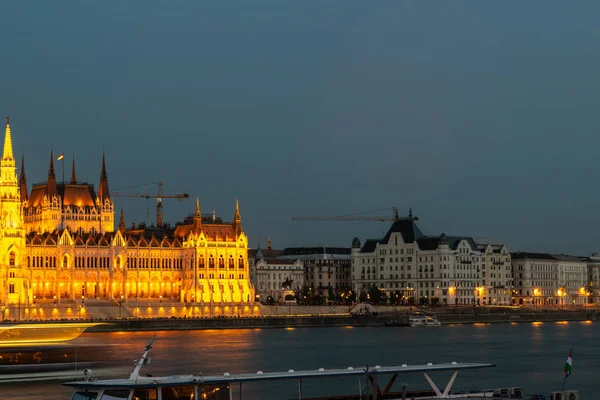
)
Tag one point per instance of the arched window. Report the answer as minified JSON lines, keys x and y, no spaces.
{"x":119,"y":262}
{"x":65,"y":262}
{"x":201,"y":262}
{"x":231,"y":262}
{"x":221,"y":262}
{"x":11,"y":288}
{"x":11,"y":258}
{"x":241,"y":262}
{"x":211,"y":262}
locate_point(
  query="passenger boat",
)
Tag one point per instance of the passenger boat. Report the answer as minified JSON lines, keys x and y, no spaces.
{"x":11,"y":335}
{"x":44,"y":351}
{"x":423,"y":319}
{"x":219,"y":387}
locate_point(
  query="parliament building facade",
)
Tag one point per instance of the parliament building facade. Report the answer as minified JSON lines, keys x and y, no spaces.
{"x":58,"y":242}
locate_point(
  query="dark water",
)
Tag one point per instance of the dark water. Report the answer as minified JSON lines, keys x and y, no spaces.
{"x":527,"y":355}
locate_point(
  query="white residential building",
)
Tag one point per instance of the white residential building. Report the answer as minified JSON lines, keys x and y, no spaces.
{"x":496,"y":274}
{"x":549,"y":279}
{"x":419,"y":268}
{"x":273,"y":274}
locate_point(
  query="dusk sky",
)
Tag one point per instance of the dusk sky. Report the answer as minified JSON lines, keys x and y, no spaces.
{"x":481,"y":116}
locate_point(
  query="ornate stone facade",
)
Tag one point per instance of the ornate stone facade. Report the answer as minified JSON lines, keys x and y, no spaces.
{"x":58,"y":243}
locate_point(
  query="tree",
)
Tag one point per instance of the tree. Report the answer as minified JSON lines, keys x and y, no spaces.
{"x":270,"y":300}
{"x":330,"y":294}
{"x":362,"y":297}
{"x":374,"y":295}
{"x":351,"y":298}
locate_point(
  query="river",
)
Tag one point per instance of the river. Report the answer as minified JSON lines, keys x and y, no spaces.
{"x":530,"y":355}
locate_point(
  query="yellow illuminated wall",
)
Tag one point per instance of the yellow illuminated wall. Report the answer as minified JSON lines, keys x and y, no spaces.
{"x":90,"y":259}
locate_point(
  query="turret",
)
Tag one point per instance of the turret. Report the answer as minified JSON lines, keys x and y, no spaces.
{"x":23,"y":181}
{"x":103,"y":192}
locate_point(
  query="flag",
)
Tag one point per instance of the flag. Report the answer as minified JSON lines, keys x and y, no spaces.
{"x":61,"y":157}
{"x":569,"y":365}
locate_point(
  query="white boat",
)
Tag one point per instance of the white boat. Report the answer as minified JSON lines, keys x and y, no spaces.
{"x":423,"y":319}
{"x":219,"y":387}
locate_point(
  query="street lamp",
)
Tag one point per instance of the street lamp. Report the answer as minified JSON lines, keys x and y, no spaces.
{"x":121,"y":300}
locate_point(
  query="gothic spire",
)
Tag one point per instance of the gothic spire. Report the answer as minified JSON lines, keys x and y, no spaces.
{"x":7,"y":154}
{"x":103,"y":193}
{"x":73,"y":175}
{"x":238,"y":217}
{"x":23,"y":181}
{"x":122,"y":222}
{"x":197,"y":213}
{"x":51,"y":185}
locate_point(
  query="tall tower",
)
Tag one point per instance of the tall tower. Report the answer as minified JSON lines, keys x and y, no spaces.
{"x":13,"y":289}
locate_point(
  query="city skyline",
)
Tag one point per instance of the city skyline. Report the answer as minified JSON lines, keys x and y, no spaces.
{"x":482,"y":125}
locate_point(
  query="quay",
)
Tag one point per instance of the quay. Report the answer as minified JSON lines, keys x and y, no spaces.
{"x":177,"y":316}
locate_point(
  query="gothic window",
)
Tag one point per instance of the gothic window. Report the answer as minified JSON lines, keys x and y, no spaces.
{"x":11,"y":288}
{"x":65,"y":262}
{"x":231,"y":262}
{"x":241,"y":262}
{"x":211,"y":262}
{"x":118,"y":262}
{"x":201,"y":263}
{"x":12,"y":259}
{"x":221,"y":262}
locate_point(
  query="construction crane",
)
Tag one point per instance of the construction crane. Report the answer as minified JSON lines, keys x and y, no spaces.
{"x":358,"y":217}
{"x":159,"y":197}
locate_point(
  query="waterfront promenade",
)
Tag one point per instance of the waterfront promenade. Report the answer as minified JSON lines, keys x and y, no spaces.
{"x":177,"y":316}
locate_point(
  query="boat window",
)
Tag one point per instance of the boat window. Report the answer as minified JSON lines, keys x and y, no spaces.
{"x":215,"y":392}
{"x":145,"y":394}
{"x":178,"y":393}
{"x":84,"y":395}
{"x":118,"y":394}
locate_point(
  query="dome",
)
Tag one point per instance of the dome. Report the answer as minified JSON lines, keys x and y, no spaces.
{"x":443,"y":239}
{"x":356,"y":243}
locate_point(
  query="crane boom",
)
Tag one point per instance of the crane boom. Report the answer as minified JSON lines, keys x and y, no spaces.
{"x":354,"y":217}
{"x":151,"y":196}
{"x":158,"y":196}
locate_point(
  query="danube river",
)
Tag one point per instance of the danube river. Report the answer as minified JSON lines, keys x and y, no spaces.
{"x":527,"y":355}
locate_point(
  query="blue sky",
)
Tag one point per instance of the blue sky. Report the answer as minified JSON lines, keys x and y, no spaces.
{"x":481,"y":116}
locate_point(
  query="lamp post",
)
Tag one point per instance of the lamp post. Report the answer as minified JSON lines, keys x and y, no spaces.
{"x":121,"y":300}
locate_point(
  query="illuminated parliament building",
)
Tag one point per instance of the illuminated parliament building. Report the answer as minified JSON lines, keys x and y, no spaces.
{"x":59,"y":242}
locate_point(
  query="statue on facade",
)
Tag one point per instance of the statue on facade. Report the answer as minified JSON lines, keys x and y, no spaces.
{"x":287,"y":283}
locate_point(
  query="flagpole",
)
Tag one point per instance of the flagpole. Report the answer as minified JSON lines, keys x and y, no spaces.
{"x":564,"y":382}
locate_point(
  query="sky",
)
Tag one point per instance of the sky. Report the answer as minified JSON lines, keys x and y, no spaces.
{"x":483,"y":117}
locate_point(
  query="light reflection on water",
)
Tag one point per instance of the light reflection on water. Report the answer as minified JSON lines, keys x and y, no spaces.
{"x":530,"y":355}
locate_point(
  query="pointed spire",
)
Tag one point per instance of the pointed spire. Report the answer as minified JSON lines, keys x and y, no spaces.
{"x":51,"y":168}
{"x":103,"y":172}
{"x":122,"y":222}
{"x":73,"y":175}
{"x":51,"y":185}
{"x":22,"y":176}
{"x":269,"y":243}
{"x":238,"y":216}
{"x":8,"y":150}
{"x":103,"y":192}
{"x":23,"y":181}
{"x":197,"y":212}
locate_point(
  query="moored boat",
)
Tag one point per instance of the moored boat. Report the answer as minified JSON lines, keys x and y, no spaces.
{"x":219,"y":387}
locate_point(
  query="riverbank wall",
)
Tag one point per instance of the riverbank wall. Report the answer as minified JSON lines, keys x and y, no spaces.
{"x":342,"y":320}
